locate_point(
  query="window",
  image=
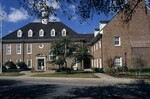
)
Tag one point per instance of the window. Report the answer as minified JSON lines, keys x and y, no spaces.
{"x":117,"y":41}
{"x":18,"y":48}
{"x":64,"y":32}
{"x":29,"y":48}
{"x":41,"y":33}
{"x":19,"y":33}
{"x":53,"y":32}
{"x":51,"y":56}
{"x":8,"y":48}
{"x":30,"y":33}
{"x":18,"y":60}
{"x":118,"y":61}
{"x":29,"y":63}
{"x":8,"y":60}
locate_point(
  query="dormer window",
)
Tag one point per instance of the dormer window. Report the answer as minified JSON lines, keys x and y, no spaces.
{"x":30,"y":33}
{"x":53,"y":32}
{"x":64,"y":32}
{"x":19,"y":33}
{"x":41,"y":33}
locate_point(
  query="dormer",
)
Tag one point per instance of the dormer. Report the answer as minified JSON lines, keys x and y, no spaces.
{"x":53,"y":32}
{"x":19,"y":33}
{"x":41,"y":33}
{"x":64,"y":32}
{"x":30,"y":33}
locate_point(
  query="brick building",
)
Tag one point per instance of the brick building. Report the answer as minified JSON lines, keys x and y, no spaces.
{"x":32,"y":44}
{"x":123,"y":42}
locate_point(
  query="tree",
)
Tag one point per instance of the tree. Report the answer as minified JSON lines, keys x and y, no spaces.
{"x":110,"y":62}
{"x":59,"y":61}
{"x":63,"y":49}
{"x":84,"y":9}
{"x":82,"y":53}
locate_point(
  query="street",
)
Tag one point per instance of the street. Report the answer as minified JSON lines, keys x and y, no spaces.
{"x":55,"y":88}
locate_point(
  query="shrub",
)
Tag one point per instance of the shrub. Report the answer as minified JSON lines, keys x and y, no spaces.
{"x":98,"y":70}
{"x":10,"y":65}
{"x":58,"y":70}
{"x":109,"y":70}
{"x":22,"y":66}
{"x":4,"y":68}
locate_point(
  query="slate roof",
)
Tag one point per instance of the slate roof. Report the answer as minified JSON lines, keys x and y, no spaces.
{"x":35,"y":27}
{"x":87,"y":37}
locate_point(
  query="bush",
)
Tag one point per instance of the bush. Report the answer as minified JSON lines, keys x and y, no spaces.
{"x":22,"y":66}
{"x":143,"y":70}
{"x":10,"y":65}
{"x":4,"y":68}
{"x":110,"y":70}
{"x":98,"y":70}
{"x":58,"y":70}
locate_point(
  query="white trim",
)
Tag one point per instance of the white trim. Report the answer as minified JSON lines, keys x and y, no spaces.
{"x":119,"y":60}
{"x":30,"y":63}
{"x":18,"y":51}
{"x":19,"y":33}
{"x":30,"y":33}
{"x":18,"y":60}
{"x":118,"y":37}
{"x":37,"y":58}
{"x":100,"y":63}
{"x":29,"y":45}
{"x":8,"y":47}
{"x":63,"y":32}
{"x":41,"y":33}
{"x":53,"y":30}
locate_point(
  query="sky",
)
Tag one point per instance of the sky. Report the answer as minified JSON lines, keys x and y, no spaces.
{"x":14,"y":17}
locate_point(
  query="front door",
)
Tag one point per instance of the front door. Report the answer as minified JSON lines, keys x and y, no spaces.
{"x":40,"y":64}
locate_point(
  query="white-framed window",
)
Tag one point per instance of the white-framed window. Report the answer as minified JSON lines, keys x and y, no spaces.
{"x":18,"y":48}
{"x":41,"y":33}
{"x":29,"y":63}
{"x":29,"y":48}
{"x":118,"y":61}
{"x":51,"y":56}
{"x":117,"y":41}
{"x":8,"y":48}
{"x":18,"y":60}
{"x":53,"y":32}
{"x":30,"y":33}
{"x":19,"y":33}
{"x":64,"y":32}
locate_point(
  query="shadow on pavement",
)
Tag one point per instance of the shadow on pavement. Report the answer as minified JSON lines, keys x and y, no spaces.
{"x":10,"y":89}
{"x":138,"y":90}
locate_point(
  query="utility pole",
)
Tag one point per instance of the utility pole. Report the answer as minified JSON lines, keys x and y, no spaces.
{"x":1,"y":46}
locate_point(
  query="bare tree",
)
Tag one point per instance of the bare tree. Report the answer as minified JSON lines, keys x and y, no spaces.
{"x":110,"y":62}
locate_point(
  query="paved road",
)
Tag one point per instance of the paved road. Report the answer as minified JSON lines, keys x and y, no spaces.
{"x":71,"y":88}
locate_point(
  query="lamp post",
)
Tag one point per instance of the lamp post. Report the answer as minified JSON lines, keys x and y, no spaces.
{"x":1,"y":64}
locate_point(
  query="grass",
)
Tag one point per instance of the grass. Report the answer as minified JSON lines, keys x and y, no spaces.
{"x":73,"y":75}
{"x":11,"y":74}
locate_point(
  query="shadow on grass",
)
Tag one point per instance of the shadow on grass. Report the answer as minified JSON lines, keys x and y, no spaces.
{"x":139,"y":90}
{"x":11,"y":89}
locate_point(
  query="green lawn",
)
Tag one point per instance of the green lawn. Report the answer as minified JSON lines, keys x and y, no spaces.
{"x":74,"y":75}
{"x":11,"y":74}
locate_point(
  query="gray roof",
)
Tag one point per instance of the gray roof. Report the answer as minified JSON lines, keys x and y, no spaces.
{"x":35,"y":27}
